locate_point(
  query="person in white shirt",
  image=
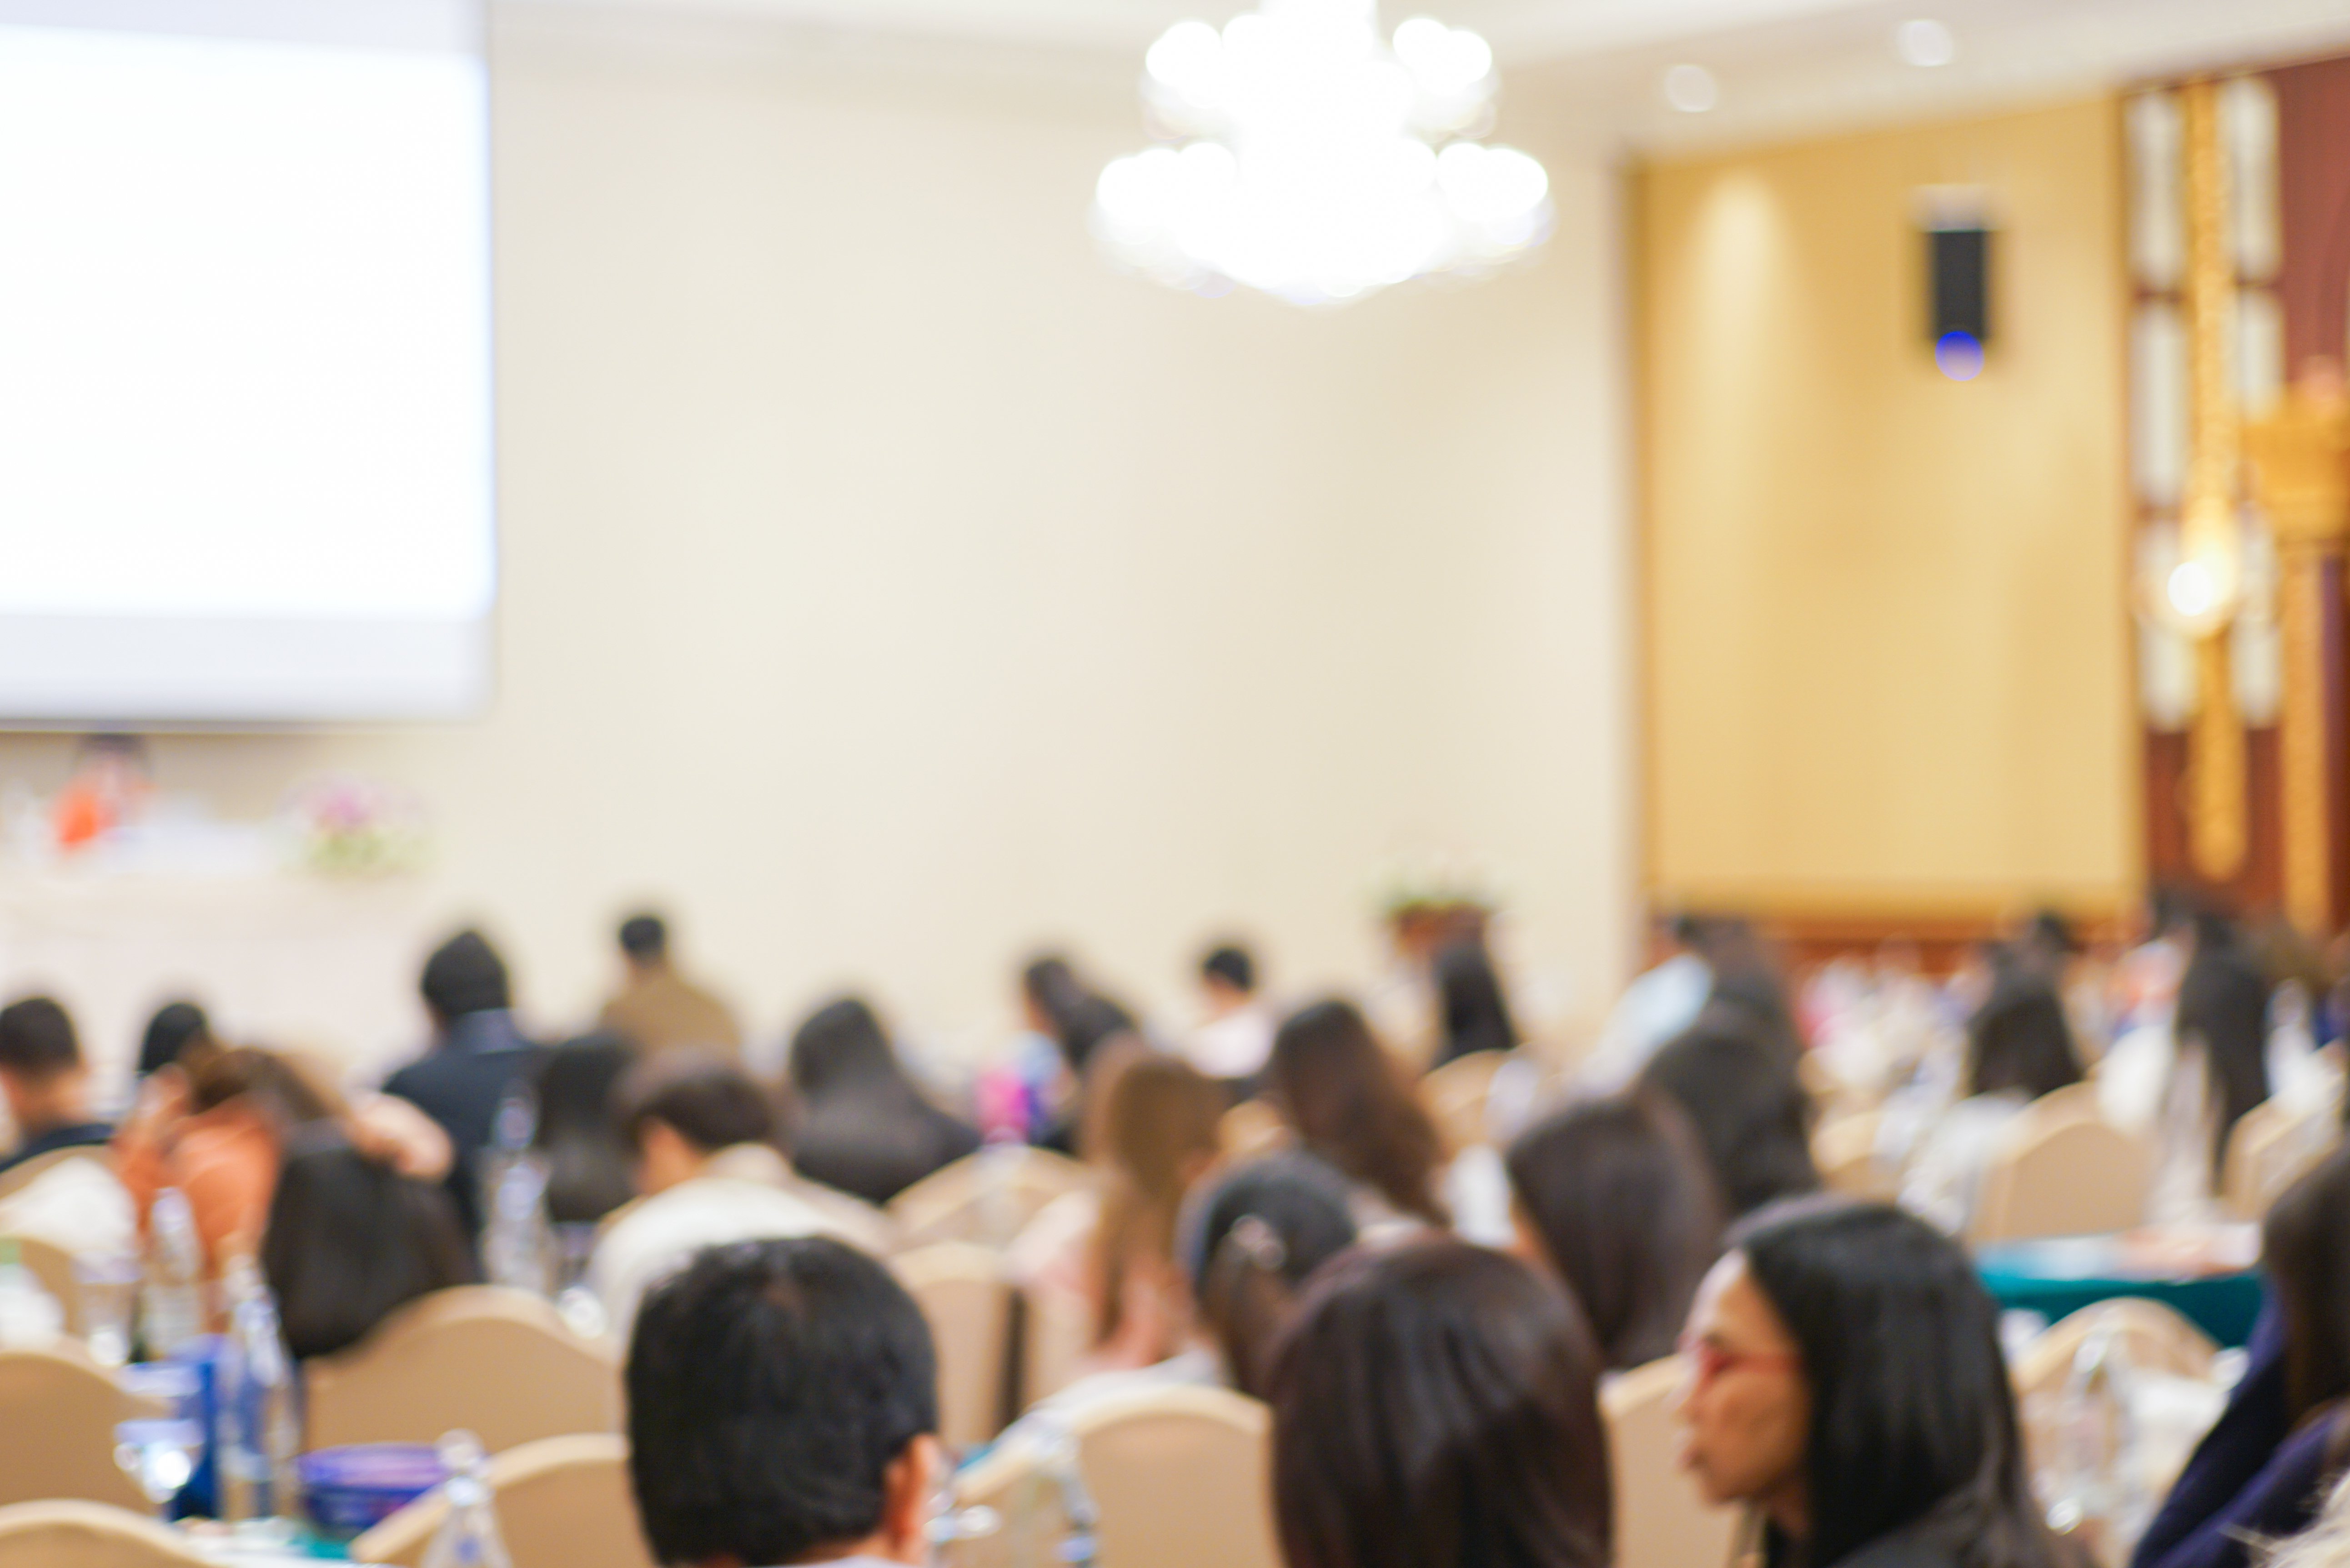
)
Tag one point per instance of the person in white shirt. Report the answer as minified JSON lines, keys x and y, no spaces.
{"x":707,"y":1163}
{"x":1656,"y":1006}
{"x":74,"y":1202}
{"x":1237,"y":1035}
{"x":783,"y":1407}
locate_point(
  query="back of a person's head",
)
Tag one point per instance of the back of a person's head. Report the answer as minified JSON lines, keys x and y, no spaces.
{"x":578,"y":1129}
{"x":1911,"y":1411}
{"x":1740,"y":1090}
{"x":262,"y":1080}
{"x":1050,"y":984}
{"x":1343,"y":1094}
{"x":2306,"y":1252}
{"x":1618,"y":1194}
{"x":1436,"y":1405}
{"x":2019,"y":1041}
{"x":2223,"y":1006}
{"x":1476,"y":1015}
{"x":841,"y":1045}
{"x":37,"y":1040}
{"x":1087,"y":1024}
{"x":771,"y":1386}
{"x":1253,"y":1242}
{"x":644,"y":938}
{"x":1159,"y":1122}
{"x":464,"y":975}
{"x":1230,"y":964}
{"x":175,"y":1027}
{"x":709,"y":1101}
{"x":350,"y":1241}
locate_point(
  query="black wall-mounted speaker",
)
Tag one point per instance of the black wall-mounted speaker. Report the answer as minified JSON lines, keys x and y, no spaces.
{"x":1958,"y":282}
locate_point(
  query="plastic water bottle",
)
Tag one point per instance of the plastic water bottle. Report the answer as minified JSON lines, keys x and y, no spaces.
{"x":30,"y":1317}
{"x":1057,"y":1458}
{"x":172,"y":1310}
{"x":469,"y":1537}
{"x":260,"y":1434}
{"x":2101,"y":1494}
{"x":518,"y":1242}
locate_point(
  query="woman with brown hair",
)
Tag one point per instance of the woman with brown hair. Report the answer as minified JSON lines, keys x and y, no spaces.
{"x":1436,"y":1405}
{"x":1348,"y":1101}
{"x":1107,"y":1252}
{"x":1158,"y":1136}
{"x":1616,"y":1198}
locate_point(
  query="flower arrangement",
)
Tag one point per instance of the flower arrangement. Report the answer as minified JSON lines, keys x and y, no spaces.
{"x":343,"y":826}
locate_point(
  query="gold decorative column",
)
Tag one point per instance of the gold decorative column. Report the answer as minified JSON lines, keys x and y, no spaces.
{"x":2301,"y":460}
{"x":2209,"y":534}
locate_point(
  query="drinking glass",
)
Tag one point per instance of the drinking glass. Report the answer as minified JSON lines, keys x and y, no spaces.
{"x":160,"y":1455}
{"x":108,"y":1286}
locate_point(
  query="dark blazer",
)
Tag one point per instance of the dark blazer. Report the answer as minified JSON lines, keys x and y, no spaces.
{"x":2252,"y":1473}
{"x":459,"y":1084}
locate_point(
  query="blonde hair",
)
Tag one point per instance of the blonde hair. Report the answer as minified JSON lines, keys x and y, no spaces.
{"x":2325,"y":1544}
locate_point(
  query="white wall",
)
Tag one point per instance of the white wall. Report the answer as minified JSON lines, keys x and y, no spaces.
{"x":888,"y":587}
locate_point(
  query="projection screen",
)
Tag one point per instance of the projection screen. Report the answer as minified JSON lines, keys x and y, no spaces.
{"x":245,"y":431}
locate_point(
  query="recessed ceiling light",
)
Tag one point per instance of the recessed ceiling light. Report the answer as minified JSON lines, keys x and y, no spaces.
{"x":1925,"y":42}
{"x":1692,"y":89}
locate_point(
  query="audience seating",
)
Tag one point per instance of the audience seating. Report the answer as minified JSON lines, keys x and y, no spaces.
{"x":2062,"y":1171}
{"x":1250,"y":1130}
{"x":2270,"y":1148}
{"x":64,"y":1533}
{"x":499,"y":1363}
{"x":2153,"y":1337}
{"x":1455,"y":1094}
{"x":17,"y":1178}
{"x":53,"y":1266}
{"x":1179,"y":1477}
{"x":58,"y":1414}
{"x":1845,"y":1150}
{"x":1660,"y":1520}
{"x":985,"y":1198}
{"x":1057,"y":1335}
{"x":963,"y":1293}
{"x":562,"y":1502}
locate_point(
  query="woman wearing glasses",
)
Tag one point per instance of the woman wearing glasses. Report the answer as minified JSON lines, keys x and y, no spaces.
{"x":1846,"y":1383}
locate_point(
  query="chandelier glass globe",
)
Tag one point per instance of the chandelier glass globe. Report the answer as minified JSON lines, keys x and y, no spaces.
{"x":1305,"y":155}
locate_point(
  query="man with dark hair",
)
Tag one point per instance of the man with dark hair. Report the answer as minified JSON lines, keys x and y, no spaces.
{"x":783,"y":1407}
{"x":709,"y":1165}
{"x":76,"y":1203}
{"x":657,"y":1008}
{"x":1235,"y":1035}
{"x":476,"y":1057}
{"x":46,"y":1081}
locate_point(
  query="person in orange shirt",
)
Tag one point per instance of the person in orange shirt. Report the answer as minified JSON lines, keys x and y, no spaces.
{"x":220,"y":1138}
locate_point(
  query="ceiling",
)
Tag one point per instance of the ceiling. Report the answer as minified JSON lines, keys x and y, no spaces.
{"x":1785,"y":67}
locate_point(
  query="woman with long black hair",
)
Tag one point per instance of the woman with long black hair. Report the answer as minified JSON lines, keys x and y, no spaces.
{"x":1846,"y":1381}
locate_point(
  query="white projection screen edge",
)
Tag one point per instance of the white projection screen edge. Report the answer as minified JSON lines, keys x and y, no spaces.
{"x":247,"y":458}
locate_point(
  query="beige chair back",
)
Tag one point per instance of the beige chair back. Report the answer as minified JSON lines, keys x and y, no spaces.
{"x":68,"y":1534}
{"x":1455,"y":1095}
{"x":1057,"y":1335}
{"x":498,"y":1362}
{"x":2155,"y":1338}
{"x":53,"y":1266}
{"x":561,"y":1502}
{"x":967,"y":1301}
{"x":1182,"y":1477}
{"x":2062,"y":1171}
{"x":987,"y":1198}
{"x":1845,"y":1150}
{"x":1660,"y":1520}
{"x":2271,"y":1146}
{"x":17,"y":1178}
{"x":1250,"y":1131}
{"x":58,"y":1413}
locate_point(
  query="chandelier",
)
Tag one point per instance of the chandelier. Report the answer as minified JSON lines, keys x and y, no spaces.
{"x":1304,"y":155}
